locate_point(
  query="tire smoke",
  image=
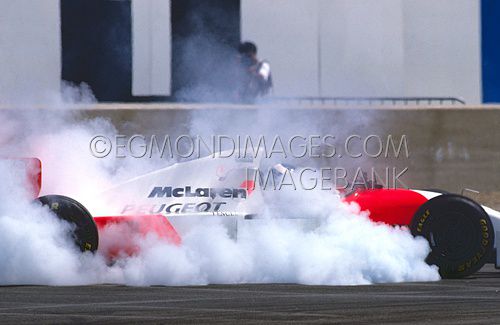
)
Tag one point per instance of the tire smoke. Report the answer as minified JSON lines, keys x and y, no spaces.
{"x":345,"y":248}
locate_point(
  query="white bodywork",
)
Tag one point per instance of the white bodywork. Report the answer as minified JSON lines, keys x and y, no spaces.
{"x":209,"y":189}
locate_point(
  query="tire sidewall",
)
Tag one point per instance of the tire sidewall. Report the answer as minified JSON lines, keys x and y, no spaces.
{"x":442,"y":211}
{"x":85,"y":232}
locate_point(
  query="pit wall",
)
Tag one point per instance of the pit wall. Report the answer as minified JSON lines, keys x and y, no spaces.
{"x":448,"y":147}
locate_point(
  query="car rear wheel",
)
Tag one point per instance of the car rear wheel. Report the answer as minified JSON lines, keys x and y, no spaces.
{"x":459,"y":233}
{"x":84,"y":233}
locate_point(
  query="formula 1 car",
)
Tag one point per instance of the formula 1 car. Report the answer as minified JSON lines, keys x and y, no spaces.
{"x":460,"y":232}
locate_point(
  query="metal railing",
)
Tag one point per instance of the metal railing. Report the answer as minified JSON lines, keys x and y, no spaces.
{"x":370,"y":100}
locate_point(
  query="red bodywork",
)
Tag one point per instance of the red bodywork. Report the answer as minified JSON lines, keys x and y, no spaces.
{"x":129,"y":226}
{"x":391,"y":206}
{"x":32,"y":174}
{"x":118,"y":234}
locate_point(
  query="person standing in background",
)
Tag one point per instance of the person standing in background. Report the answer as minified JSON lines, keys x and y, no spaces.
{"x":255,"y":80}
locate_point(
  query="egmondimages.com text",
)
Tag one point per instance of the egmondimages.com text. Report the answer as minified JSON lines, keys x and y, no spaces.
{"x":246,"y":146}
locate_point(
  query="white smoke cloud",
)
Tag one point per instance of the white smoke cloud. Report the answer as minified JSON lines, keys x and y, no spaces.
{"x":36,"y":247}
{"x":346,"y":248}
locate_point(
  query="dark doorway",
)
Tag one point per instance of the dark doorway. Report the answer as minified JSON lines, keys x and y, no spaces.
{"x":97,"y":47}
{"x":205,"y":35}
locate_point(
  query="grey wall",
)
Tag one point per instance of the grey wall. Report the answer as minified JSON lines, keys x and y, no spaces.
{"x":151,"y":46}
{"x":316,"y":47}
{"x":369,"y":48}
{"x":442,"y":44}
{"x":286,"y":33}
{"x":30,"y":55}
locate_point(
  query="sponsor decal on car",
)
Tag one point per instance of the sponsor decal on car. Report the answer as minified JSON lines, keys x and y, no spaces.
{"x":141,"y":209}
{"x":188,"y":191}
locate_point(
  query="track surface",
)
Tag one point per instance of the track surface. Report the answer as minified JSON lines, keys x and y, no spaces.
{"x":474,"y":300}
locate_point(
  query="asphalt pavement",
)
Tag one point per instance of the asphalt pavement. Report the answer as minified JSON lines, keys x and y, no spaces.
{"x":472,"y":300}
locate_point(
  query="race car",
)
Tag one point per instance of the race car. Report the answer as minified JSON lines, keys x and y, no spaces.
{"x":461,"y":232}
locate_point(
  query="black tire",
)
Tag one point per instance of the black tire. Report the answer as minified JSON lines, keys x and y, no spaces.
{"x":85,"y":232}
{"x":459,"y":232}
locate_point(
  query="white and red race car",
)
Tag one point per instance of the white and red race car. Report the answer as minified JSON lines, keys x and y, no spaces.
{"x":460,"y":232}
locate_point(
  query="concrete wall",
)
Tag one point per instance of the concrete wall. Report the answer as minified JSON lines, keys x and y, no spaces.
{"x":446,"y":148}
{"x":369,"y":48}
{"x":30,"y":56}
